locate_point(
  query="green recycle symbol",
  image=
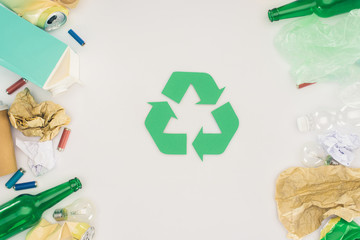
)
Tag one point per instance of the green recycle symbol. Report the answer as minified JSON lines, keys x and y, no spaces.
{"x":209,"y":93}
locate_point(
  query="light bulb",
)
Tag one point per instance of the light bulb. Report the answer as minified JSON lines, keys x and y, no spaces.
{"x":79,"y":211}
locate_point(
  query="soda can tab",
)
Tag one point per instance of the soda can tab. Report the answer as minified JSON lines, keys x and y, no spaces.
{"x":15,"y":178}
{"x":63,"y":140}
{"x":18,"y":84}
{"x":76,"y":37}
{"x":27,"y":185}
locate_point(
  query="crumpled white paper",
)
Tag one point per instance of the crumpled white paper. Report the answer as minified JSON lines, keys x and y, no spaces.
{"x":41,"y":155}
{"x":340,"y":146}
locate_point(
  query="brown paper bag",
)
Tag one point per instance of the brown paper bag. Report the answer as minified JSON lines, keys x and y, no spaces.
{"x":7,"y":152}
{"x":307,"y":196}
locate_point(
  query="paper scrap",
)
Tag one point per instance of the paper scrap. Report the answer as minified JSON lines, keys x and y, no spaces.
{"x":43,"y":120}
{"x":306,"y":196}
{"x":340,"y":146}
{"x":41,"y":155}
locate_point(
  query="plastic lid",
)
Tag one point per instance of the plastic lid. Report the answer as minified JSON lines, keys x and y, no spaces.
{"x":3,"y":107}
{"x":303,"y":124}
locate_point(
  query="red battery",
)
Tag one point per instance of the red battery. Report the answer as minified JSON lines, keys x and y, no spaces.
{"x":21,"y":82}
{"x":305,"y":85}
{"x":63,"y":140}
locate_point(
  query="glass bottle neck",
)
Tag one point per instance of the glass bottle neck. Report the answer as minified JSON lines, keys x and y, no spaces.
{"x":49,"y":198}
{"x":295,"y":9}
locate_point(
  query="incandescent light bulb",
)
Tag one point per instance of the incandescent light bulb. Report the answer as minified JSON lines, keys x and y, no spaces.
{"x":79,"y":211}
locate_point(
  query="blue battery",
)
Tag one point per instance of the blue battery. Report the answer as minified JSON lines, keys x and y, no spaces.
{"x":27,"y":185}
{"x":15,"y":178}
{"x":76,"y":37}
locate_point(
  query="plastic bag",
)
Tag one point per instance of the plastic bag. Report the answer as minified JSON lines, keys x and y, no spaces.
{"x":337,"y":228}
{"x":322,"y":49}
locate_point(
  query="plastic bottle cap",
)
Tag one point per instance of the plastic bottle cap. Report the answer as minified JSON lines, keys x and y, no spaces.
{"x":303,"y":124}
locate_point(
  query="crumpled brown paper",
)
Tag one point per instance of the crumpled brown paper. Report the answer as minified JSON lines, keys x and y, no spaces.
{"x":306,"y":196}
{"x":37,"y":120}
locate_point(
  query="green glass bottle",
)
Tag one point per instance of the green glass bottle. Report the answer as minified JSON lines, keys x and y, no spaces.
{"x":322,"y":8}
{"x":25,"y":211}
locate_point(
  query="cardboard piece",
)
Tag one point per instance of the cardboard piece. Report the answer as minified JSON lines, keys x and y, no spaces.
{"x":306,"y":196}
{"x":37,"y":120}
{"x":36,"y":55}
{"x":7,"y":152}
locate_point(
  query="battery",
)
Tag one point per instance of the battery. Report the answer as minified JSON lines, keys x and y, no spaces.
{"x":18,"y":84}
{"x":76,"y":37}
{"x":15,"y":178}
{"x":27,"y":185}
{"x":63,"y":140}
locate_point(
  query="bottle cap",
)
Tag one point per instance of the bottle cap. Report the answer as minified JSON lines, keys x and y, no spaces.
{"x":303,"y":124}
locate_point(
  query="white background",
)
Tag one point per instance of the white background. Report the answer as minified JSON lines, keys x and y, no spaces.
{"x":132,"y":47}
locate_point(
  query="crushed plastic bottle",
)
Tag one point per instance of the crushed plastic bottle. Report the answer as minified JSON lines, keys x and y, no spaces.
{"x":317,"y":121}
{"x":347,"y":117}
{"x":313,"y":155}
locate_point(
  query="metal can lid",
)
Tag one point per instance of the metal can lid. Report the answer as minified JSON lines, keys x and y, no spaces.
{"x":54,"y":21}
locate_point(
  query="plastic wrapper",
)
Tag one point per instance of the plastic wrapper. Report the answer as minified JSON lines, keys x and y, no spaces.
{"x":307,"y":196}
{"x":322,"y":49}
{"x":67,"y":231}
{"x":37,"y":120}
{"x":338,"y":228}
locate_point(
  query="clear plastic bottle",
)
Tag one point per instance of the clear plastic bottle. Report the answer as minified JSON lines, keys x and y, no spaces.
{"x":348,"y":117}
{"x":321,"y":121}
{"x":313,"y":155}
